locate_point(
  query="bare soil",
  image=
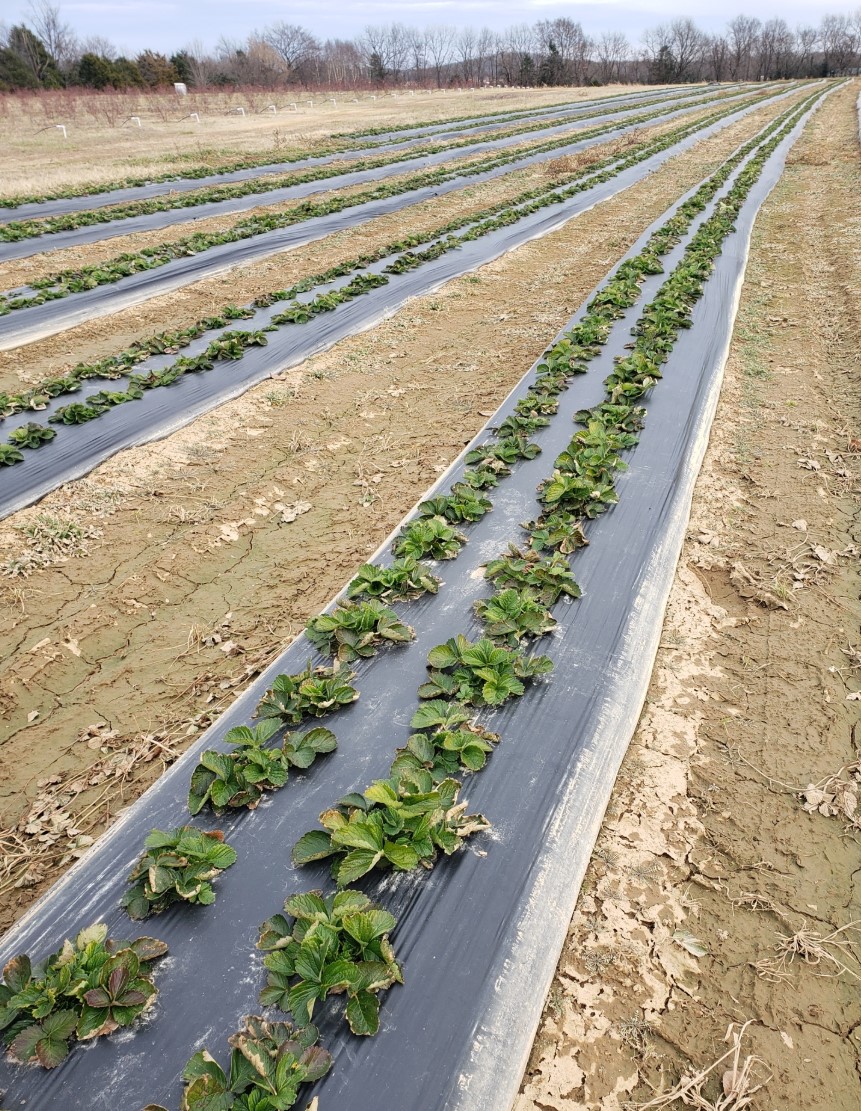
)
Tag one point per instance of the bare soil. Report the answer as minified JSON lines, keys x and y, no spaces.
{"x":187,"y":573}
{"x":724,"y":885}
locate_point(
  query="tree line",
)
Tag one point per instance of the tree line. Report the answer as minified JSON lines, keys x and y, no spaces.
{"x":44,"y":52}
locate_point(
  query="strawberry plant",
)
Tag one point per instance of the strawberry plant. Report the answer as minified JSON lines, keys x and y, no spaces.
{"x":177,"y":866}
{"x":507,"y":450}
{"x":429,"y":538}
{"x":483,"y":477}
{"x":78,"y":412}
{"x":86,"y":989}
{"x":462,"y":504}
{"x":577,"y":494}
{"x":389,"y":825}
{"x":429,"y":758}
{"x":329,"y":945}
{"x":480,"y":674}
{"x":548,"y":577}
{"x":511,"y":615}
{"x":269,"y":1064}
{"x":355,"y":629}
{"x":310,"y":693}
{"x":31,"y":435}
{"x":239,"y":778}
{"x":9,"y":455}
{"x":406,"y":578}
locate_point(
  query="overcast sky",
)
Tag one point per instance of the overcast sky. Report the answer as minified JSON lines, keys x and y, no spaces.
{"x":167,"y":25}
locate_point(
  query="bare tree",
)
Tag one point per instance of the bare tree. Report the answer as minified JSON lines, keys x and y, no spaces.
{"x":57,"y":37}
{"x":440,"y":44}
{"x":374,"y":45}
{"x":340,"y":64}
{"x":98,"y":44}
{"x":743,"y":36}
{"x":687,"y":42}
{"x":806,"y":41}
{"x":839,"y":43}
{"x":717,"y":56}
{"x":199,"y":63}
{"x":611,"y":51}
{"x":575,"y":48}
{"x":467,"y":51}
{"x":488,"y":55}
{"x":516,"y":45}
{"x":295,"y":46}
{"x":418,"y":52}
{"x":398,"y":49}
{"x":775,"y":49}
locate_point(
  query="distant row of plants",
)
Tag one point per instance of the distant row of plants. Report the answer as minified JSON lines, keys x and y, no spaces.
{"x":115,"y":366}
{"x":63,"y":283}
{"x":264,"y":158}
{"x":18,"y":230}
{"x":338,"y":944}
{"x":233,"y":345}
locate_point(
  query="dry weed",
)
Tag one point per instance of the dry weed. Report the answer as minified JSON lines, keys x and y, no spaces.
{"x":53,"y":833}
{"x":738,"y":1083}
{"x":832,"y":950}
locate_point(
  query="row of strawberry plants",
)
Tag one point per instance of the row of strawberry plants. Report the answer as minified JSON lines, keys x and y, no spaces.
{"x":403,"y":821}
{"x":66,"y":282}
{"x":497,"y":117}
{"x":18,"y":230}
{"x":249,"y":162}
{"x":233,"y":344}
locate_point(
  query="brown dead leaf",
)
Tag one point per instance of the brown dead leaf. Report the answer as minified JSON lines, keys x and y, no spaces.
{"x":748,"y":587}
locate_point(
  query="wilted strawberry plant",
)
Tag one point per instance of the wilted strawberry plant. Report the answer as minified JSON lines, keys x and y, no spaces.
{"x":624,"y":418}
{"x":548,"y":577}
{"x":580,"y":495}
{"x":480,"y":674}
{"x":406,"y":578}
{"x":389,"y":825}
{"x":429,"y":538}
{"x":269,"y":1064}
{"x":177,"y":866}
{"x":521,"y":424}
{"x":329,"y":945}
{"x":559,"y":531}
{"x":84,"y":990}
{"x":314,"y":692}
{"x":485,"y":476}
{"x":355,"y":629}
{"x":510,"y":615}
{"x":239,"y":778}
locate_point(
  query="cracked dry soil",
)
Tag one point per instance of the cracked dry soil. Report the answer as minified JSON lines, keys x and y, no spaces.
{"x":733,"y":821}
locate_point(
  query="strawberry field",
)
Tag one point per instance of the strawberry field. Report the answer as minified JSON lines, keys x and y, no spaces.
{"x":368,"y":861}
